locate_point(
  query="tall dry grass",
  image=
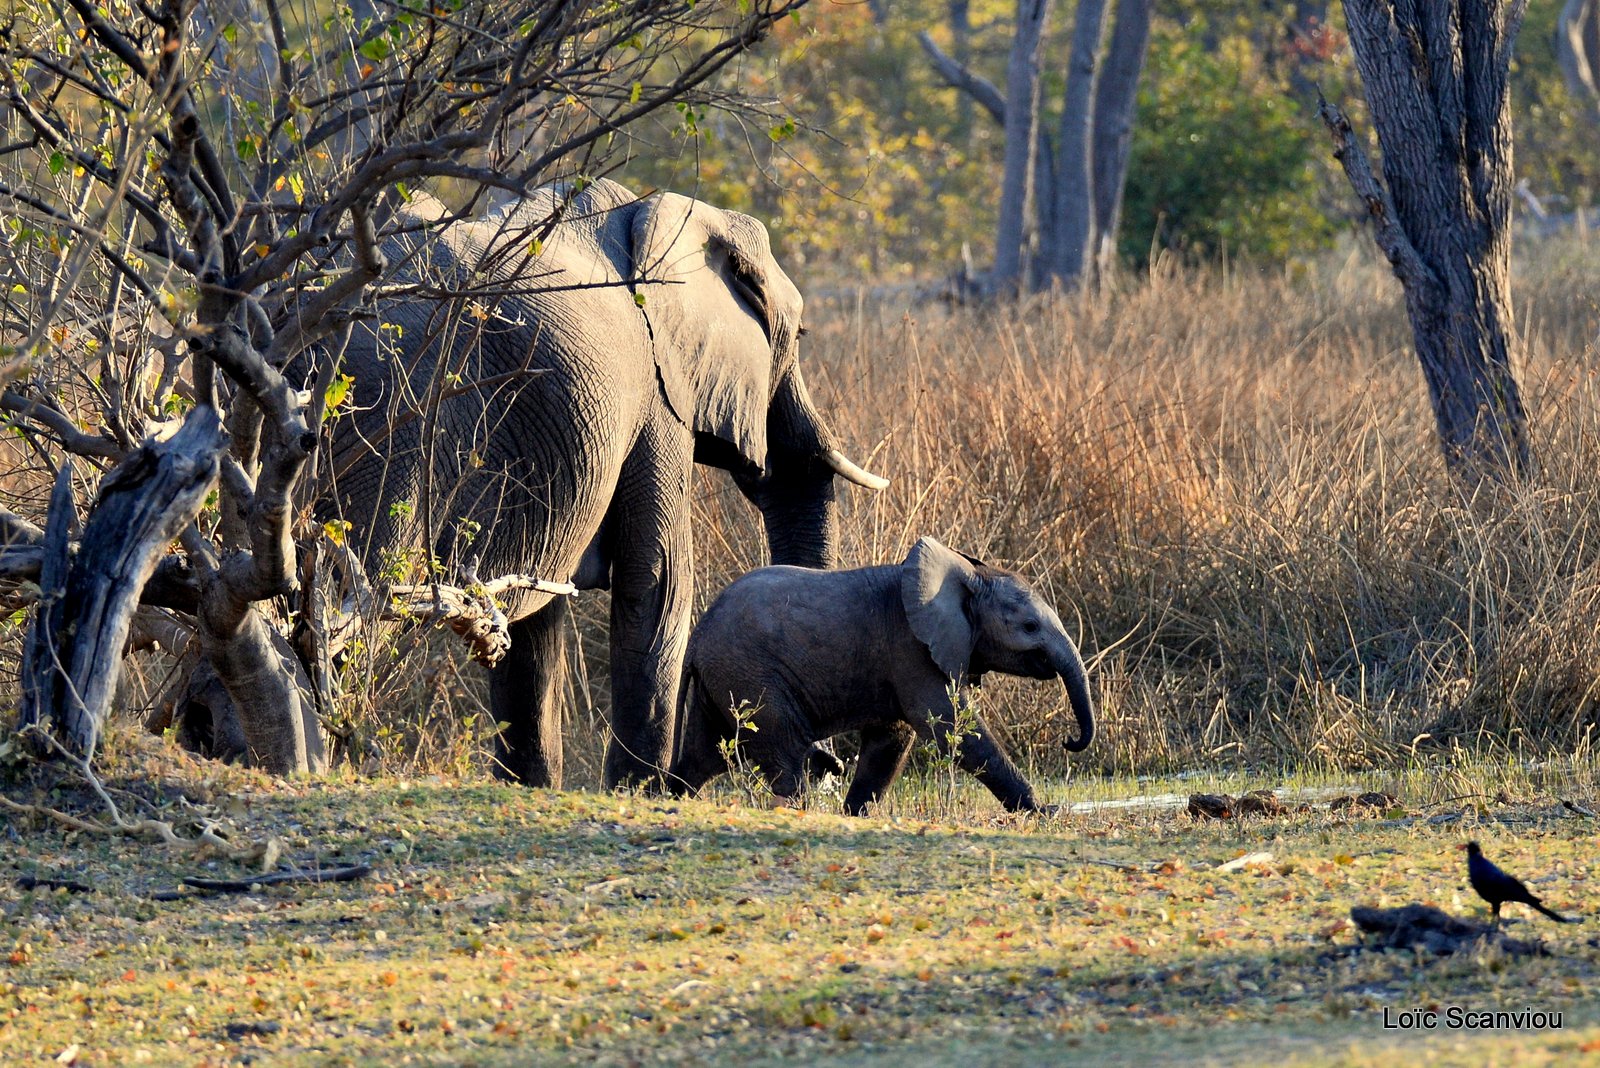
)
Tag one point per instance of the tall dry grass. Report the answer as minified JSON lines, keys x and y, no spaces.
{"x":1228,"y":482}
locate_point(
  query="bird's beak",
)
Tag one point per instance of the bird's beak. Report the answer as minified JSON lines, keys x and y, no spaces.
{"x":1462,"y":848}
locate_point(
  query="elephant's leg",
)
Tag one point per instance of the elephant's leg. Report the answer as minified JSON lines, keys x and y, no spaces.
{"x":652,"y":592}
{"x":692,"y":771}
{"x":979,"y":754}
{"x":524,"y":693}
{"x":884,"y":749}
{"x":777,"y":751}
{"x":822,"y":761}
{"x":786,"y":781}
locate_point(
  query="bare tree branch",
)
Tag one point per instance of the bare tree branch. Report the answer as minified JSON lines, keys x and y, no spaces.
{"x":981,"y":89}
{"x":1408,"y":264}
{"x":58,"y":424}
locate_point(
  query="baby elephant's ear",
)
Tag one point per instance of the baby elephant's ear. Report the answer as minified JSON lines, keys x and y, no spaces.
{"x":936,"y":585}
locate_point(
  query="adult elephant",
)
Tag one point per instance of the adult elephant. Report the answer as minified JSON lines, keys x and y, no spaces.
{"x":546,"y":421}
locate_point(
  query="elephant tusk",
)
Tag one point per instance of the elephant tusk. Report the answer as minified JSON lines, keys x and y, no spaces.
{"x":850,"y":472}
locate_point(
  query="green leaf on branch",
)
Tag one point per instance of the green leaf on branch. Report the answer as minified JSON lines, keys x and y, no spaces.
{"x":337,"y":391}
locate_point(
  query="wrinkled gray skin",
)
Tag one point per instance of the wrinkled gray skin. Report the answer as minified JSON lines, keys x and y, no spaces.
{"x":673,"y":341}
{"x":818,"y":653}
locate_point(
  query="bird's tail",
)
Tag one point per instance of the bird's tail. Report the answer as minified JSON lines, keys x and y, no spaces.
{"x":1553,"y":914}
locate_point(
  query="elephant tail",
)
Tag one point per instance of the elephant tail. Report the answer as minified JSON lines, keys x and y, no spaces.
{"x":688,"y":705}
{"x":694,"y":749}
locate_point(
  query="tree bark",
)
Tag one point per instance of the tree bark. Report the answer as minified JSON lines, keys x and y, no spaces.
{"x":1021,"y":145}
{"x":1071,"y":233}
{"x":143,"y":505}
{"x":1115,"y":101}
{"x":41,"y":652}
{"x":1436,"y":79}
{"x":270,"y":693}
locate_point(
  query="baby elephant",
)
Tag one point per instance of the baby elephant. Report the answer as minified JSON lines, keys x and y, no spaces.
{"x":818,"y":653}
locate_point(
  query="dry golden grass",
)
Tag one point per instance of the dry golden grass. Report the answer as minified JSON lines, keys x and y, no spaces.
{"x":1227,"y":481}
{"x":1231,"y":481}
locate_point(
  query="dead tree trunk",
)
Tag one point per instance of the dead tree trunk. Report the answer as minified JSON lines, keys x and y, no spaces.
{"x":1061,"y":197}
{"x":270,"y":694}
{"x":76,"y":649}
{"x":1021,"y":141}
{"x":40,"y":653}
{"x":1436,"y":78}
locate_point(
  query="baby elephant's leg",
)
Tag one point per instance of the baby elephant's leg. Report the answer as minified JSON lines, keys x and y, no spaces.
{"x":777,"y":746}
{"x":884,"y":748}
{"x":699,"y":757}
{"x":976,"y":752}
{"x":979,"y":754}
{"x":693,"y":769}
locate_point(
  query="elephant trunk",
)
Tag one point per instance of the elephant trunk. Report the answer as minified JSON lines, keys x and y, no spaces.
{"x":796,"y":492}
{"x":1069,"y":665}
{"x":799,"y":508}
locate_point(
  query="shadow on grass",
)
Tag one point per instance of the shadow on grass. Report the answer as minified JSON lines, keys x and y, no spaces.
{"x":636,"y":927}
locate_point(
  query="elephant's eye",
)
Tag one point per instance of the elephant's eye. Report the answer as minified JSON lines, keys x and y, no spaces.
{"x":1031,"y":627}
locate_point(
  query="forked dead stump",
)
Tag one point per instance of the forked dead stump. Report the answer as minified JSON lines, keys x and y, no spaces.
{"x":1434,"y":930}
{"x":40,"y":655}
{"x":78,"y":637}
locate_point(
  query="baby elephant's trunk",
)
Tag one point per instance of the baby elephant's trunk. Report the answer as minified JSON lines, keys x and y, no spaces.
{"x":1069,"y":665}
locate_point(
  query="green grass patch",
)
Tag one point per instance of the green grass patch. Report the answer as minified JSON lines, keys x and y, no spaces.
{"x":505,"y":926}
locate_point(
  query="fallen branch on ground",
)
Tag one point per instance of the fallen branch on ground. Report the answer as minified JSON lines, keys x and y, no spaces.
{"x":277,"y":878}
{"x":39,"y":882}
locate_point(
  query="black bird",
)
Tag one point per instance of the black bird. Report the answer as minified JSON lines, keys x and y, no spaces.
{"x":1496,"y":887}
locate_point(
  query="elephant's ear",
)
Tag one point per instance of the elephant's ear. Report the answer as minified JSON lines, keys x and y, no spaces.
{"x":704,"y":294}
{"x":936,"y":586}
